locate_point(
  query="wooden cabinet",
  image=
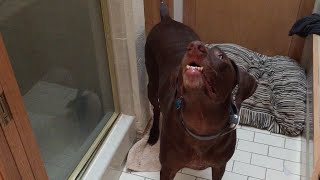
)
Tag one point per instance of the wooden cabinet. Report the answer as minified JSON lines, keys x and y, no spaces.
{"x":19,"y":153}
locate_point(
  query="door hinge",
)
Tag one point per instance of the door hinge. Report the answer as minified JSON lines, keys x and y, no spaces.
{"x":5,"y":115}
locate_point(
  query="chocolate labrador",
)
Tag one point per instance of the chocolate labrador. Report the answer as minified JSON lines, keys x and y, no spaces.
{"x":192,"y":87}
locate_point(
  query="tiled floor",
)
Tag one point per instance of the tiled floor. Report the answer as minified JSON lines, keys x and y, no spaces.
{"x":260,"y":155}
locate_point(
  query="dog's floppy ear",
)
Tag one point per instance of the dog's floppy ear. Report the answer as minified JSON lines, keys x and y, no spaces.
{"x":247,"y":85}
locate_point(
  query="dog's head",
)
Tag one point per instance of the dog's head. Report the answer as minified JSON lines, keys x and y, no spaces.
{"x":212,"y":73}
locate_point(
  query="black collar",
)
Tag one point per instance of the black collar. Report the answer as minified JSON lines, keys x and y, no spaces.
{"x":232,"y":125}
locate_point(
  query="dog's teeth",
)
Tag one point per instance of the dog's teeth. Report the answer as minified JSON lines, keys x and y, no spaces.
{"x":194,"y":68}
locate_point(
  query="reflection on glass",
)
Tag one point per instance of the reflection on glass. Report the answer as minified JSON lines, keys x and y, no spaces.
{"x":58,"y":53}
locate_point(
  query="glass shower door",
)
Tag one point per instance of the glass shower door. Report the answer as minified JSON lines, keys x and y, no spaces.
{"x":58,"y":53}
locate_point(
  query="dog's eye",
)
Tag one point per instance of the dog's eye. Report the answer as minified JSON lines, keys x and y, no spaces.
{"x":220,"y":56}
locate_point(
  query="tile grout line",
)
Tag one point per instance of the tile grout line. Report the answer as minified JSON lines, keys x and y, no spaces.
{"x":136,"y":175}
{"x":285,"y":142}
{"x":232,"y":166}
{"x":282,"y":172}
{"x":267,"y":132}
{"x":293,"y":149}
{"x":247,"y":175}
{"x":269,"y":144}
{"x":251,"y":158}
{"x":211,"y":171}
{"x":272,"y":146}
{"x":259,"y":166}
{"x":142,"y":176}
{"x":265,"y":173}
{"x":191,"y":175}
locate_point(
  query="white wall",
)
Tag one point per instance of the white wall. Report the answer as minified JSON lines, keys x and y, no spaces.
{"x":178,"y":10}
{"x":316,"y":7}
{"x":140,"y":38}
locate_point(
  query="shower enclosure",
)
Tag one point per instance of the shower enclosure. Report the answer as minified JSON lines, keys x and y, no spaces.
{"x":58,"y":52}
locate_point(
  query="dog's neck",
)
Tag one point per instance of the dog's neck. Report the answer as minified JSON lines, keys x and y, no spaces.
{"x":204,"y":117}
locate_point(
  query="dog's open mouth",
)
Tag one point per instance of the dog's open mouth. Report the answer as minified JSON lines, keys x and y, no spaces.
{"x":195,"y":78}
{"x":193,"y":69}
{"x":193,"y":75}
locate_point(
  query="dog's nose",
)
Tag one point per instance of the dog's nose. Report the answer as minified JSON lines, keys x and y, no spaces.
{"x":197,"y":48}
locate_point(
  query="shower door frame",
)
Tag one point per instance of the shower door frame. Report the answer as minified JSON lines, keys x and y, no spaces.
{"x":86,"y":159}
{"x":18,"y":131}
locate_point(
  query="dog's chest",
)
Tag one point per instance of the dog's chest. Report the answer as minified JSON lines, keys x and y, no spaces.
{"x":198,"y":163}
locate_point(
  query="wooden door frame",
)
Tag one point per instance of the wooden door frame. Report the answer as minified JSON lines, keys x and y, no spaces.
{"x":316,"y":171}
{"x":316,"y":106}
{"x":310,"y":62}
{"x":18,"y":131}
{"x":152,"y":12}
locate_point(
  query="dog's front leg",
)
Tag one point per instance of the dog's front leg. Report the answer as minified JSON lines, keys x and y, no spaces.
{"x":168,"y":173}
{"x":217,"y":172}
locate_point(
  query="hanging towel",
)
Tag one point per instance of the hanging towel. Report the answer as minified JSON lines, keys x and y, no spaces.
{"x":306,"y":26}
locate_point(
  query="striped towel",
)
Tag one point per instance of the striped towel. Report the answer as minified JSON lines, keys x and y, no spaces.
{"x":279,"y":103}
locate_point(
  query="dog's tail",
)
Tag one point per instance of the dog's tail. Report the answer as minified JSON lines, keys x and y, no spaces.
{"x":164,"y":12}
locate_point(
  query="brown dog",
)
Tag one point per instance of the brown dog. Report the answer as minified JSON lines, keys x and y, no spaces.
{"x":192,"y":87}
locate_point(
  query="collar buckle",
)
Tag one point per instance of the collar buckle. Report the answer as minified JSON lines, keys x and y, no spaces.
{"x":178,"y":103}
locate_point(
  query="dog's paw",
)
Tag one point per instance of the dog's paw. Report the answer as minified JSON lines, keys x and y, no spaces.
{"x":154,"y":136}
{"x":152,"y":140}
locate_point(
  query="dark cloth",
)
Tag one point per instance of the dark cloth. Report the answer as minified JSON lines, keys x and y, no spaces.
{"x":306,"y":26}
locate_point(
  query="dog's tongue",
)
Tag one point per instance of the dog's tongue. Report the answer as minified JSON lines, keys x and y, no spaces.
{"x":193,"y":72}
{"x":193,"y":76}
